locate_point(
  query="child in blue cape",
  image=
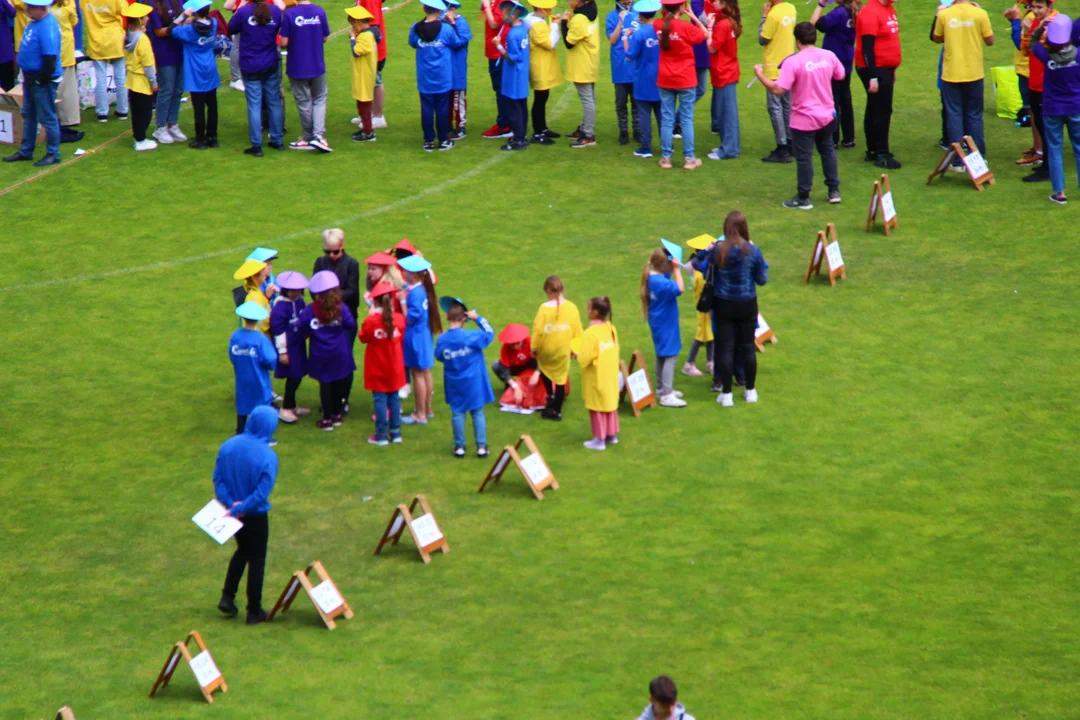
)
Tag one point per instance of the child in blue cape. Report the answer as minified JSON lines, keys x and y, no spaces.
{"x":253,"y":359}
{"x":642,"y":48}
{"x":460,"y":58}
{"x":197,"y":31}
{"x":466,"y":383}
{"x":434,"y":41}
{"x":659,"y":304}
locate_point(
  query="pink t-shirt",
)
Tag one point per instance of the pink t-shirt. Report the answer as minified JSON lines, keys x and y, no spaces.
{"x":808,"y":75}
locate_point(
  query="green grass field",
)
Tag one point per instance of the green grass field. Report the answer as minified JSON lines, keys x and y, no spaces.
{"x":891,"y":532}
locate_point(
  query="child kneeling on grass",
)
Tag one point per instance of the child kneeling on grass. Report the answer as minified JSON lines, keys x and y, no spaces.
{"x":466,"y":384}
{"x":663,"y":704}
{"x":364,"y":41}
{"x":599,"y":360}
{"x":384,"y":368}
{"x":141,"y":82}
{"x":516,"y":366}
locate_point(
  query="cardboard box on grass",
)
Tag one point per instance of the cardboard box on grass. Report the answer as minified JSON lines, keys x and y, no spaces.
{"x":11,"y":122}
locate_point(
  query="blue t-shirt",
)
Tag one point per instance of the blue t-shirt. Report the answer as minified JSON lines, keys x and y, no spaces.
{"x":434,"y":73}
{"x":839,"y":31}
{"x":465,"y":380}
{"x":645,"y":52}
{"x":200,"y":68}
{"x":622,"y":71}
{"x":459,"y":57}
{"x":305,"y":26}
{"x":664,"y":315}
{"x":515,"y":74}
{"x":253,"y":359}
{"x":41,"y":38}
{"x":417,"y":346}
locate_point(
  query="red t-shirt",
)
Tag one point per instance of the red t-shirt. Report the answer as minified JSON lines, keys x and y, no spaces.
{"x":1036,"y":70}
{"x":384,"y":364}
{"x":677,"y":71}
{"x":489,"y":34}
{"x":724,"y":63}
{"x":880,"y":21}
{"x":519,"y":357}
{"x":375,"y":8}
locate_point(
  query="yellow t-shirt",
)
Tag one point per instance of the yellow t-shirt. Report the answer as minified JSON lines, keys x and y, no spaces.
{"x":137,"y":61}
{"x":68,"y":18}
{"x":779,"y":30}
{"x":21,"y":21}
{"x":104,"y":28}
{"x":963,"y":26}
{"x":599,"y":360}
{"x":544,"y":72}
{"x":583,"y":59}
{"x":364,"y":65}
{"x":254,"y":294}
{"x":1021,"y":61}
{"x":704,"y":320}
{"x":555,"y":326}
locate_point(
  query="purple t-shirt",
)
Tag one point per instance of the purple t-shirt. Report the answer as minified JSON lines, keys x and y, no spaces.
{"x":258,"y":43}
{"x":839,"y":31}
{"x":305,"y":26}
{"x":7,"y":40}
{"x":330,"y":355}
{"x":808,"y":75}
{"x":167,"y":50}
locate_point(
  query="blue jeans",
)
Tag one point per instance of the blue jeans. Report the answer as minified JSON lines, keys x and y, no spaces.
{"x":170,"y":87}
{"x":686,"y":102}
{"x":39,"y":106}
{"x":646,"y":110}
{"x":702,"y":83}
{"x":1055,"y":140}
{"x":258,"y":87}
{"x":457,"y":421}
{"x":964,"y":112}
{"x":383,"y":401}
{"x":101,"y":96}
{"x":435,"y":111}
{"x":725,"y":118}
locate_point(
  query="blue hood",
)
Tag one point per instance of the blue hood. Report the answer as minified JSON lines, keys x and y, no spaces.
{"x":262,"y":423}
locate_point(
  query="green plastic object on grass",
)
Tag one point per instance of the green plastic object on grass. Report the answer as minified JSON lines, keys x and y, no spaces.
{"x":1007,"y":92}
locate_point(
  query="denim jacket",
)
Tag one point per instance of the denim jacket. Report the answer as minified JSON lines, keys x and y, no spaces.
{"x":735,"y":281}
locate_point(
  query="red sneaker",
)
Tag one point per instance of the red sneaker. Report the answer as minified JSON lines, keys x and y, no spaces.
{"x":495,"y":132}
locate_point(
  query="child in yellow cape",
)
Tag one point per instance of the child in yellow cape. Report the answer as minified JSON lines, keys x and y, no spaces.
{"x":599,"y":360}
{"x":364,"y":40}
{"x":557,"y":323}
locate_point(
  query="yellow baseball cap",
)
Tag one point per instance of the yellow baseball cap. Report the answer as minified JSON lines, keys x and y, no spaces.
{"x":136,"y":11}
{"x":359,"y":13}
{"x":701,"y":241}
{"x":543,"y":4}
{"x":249,"y":268}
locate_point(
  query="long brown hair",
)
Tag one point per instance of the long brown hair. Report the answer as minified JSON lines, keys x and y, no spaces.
{"x":852,"y":6}
{"x":730,"y":10}
{"x":553,"y":285}
{"x":433,"y":319}
{"x":262,"y":13}
{"x":387,"y":307}
{"x":328,"y":305}
{"x":665,"y":32}
{"x":661,"y":263}
{"x":736,"y":234}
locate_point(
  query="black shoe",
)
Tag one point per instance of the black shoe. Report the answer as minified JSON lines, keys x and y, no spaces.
{"x":1041,"y":174}
{"x":257,"y":618}
{"x":447,"y":145}
{"x":869,"y":157}
{"x":48,"y":160}
{"x":254,"y":151}
{"x":197,"y":144}
{"x":102,"y":118}
{"x":18,"y":157}
{"x":361,"y":136}
{"x":624,"y":139}
{"x":583,"y":142}
{"x":549,"y":414}
{"x":677,"y":133}
{"x":119,"y":116}
{"x":798,"y":203}
{"x":458,"y":134}
{"x":943,"y":144}
{"x":211,"y":142}
{"x":741,"y":382}
{"x":848,"y":144}
{"x":716,"y":387}
{"x":518,"y":145}
{"x":228,"y":607}
{"x":548,"y":132}
{"x":429,"y":147}
{"x":887,"y":162}
{"x":70,"y":136}
{"x":574,"y":135}
{"x":778,"y":155}
{"x":276,"y":146}
{"x":541,"y":139}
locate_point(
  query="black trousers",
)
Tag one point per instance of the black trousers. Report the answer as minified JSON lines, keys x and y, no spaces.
{"x":205,"y":106}
{"x":291,"y":386}
{"x":539,"y":111}
{"x":736,"y":321}
{"x":250,"y":553}
{"x":623,"y":93}
{"x":332,"y":395}
{"x":7,"y":73}
{"x":803,"y":142}
{"x":556,"y":394}
{"x":878,"y":115}
{"x":519,"y":117}
{"x":241,"y":423}
{"x":346,"y":391}
{"x":142,"y":110}
{"x":841,"y":92}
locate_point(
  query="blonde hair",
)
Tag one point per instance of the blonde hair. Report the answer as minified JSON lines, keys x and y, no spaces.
{"x":333,"y":236}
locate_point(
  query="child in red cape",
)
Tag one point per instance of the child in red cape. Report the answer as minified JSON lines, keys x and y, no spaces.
{"x":514,"y":367}
{"x":384,"y":368}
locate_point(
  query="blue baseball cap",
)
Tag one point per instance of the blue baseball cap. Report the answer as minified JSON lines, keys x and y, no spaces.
{"x":197,"y":5}
{"x":673,"y":250}
{"x":414,"y":264}
{"x":434,"y":4}
{"x":260,"y":253}
{"x":252,"y":311}
{"x":646,"y":6}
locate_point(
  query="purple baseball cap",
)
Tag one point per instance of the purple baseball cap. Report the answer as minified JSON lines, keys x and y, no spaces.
{"x":322,"y":281}
{"x":1060,"y":30}
{"x":292,"y":280}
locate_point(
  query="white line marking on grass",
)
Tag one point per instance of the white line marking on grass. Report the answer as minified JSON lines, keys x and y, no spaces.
{"x":560,"y":106}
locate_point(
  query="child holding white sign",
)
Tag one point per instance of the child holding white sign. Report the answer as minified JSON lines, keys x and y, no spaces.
{"x":599,"y":360}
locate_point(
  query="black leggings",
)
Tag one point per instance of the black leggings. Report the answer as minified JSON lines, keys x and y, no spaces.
{"x":1036,"y":101}
{"x":250,"y":553}
{"x":7,"y":73}
{"x":205,"y":106}
{"x":736,"y":321}
{"x":556,"y":394}
{"x":539,"y":110}
{"x":291,"y":385}
{"x":142,"y":110}
{"x":332,"y":395}
{"x":845,"y":129}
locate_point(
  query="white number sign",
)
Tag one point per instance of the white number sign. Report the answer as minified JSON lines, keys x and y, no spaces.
{"x":204,"y":668}
{"x":535,"y":469}
{"x":7,"y":128}
{"x":396,"y":527}
{"x":501,"y":465}
{"x":426,"y":529}
{"x":976,"y":166}
{"x":817,"y":253}
{"x":832,"y":254}
{"x":887,"y":208}
{"x":326,"y":596}
{"x":762,"y":326}
{"x":211,"y":521}
{"x":638,"y":382}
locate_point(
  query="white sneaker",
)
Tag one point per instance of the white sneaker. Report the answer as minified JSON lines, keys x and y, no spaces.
{"x":677,"y":393}
{"x":404,"y":392}
{"x":286,"y":416}
{"x":691,"y":370}
{"x":750,"y":395}
{"x":725,"y":399}
{"x":670,"y":400}
{"x":357,"y":121}
{"x":177,"y":134}
{"x":378,"y":122}
{"x":145,"y":145}
{"x":237,"y":85}
{"x":163,"y":136}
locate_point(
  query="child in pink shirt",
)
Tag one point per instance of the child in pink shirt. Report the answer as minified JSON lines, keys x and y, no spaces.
{"x":808,"y":75}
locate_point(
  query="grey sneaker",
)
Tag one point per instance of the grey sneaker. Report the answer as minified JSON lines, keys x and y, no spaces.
{"x":834,"y":197}
{"x":798,"y":203}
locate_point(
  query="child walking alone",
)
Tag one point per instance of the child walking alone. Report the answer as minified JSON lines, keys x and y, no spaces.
{"x":599,"y":360}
